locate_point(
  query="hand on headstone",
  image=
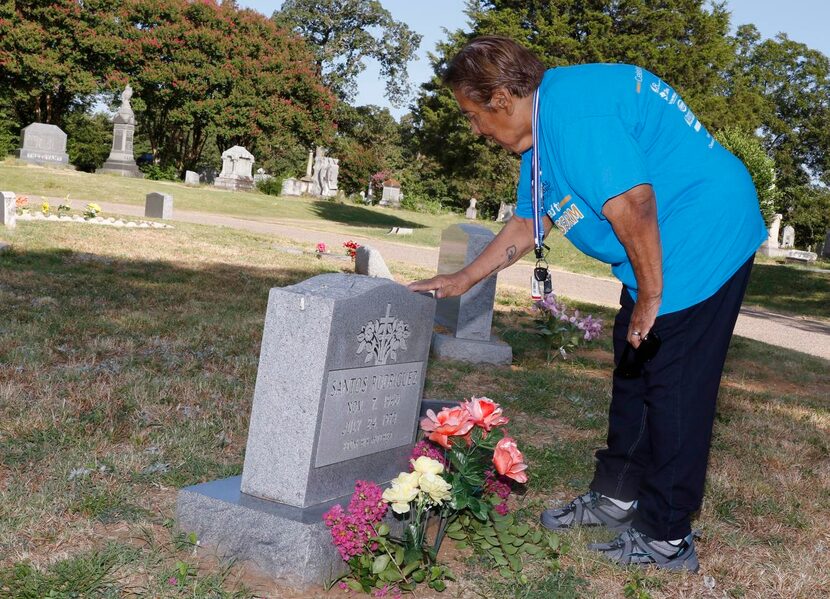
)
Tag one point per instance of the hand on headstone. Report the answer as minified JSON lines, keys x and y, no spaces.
{"x":450,"y":285}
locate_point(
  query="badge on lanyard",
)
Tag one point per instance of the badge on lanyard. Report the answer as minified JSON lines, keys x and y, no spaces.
{"x":540,"y":282}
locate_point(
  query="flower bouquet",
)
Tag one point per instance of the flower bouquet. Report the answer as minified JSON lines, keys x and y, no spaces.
{"x":460,"y":478}
{"x":564,"y":329}
{"x":320,"y":249}
{"x":351,"y":248}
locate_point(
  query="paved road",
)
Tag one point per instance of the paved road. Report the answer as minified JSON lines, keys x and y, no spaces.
{"x":795,"y":333}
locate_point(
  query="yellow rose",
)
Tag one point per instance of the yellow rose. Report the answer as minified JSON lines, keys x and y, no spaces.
{"x":437,"y":488}
{"x":407,"y":478}
{"x":425,"y":465}
{"x":399,"y":495}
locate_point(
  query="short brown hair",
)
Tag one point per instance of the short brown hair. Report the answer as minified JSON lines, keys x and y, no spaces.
{"x":489,"y":62}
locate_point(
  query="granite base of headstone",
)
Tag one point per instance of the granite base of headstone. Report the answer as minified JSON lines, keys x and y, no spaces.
{"x":469,"y":317}
{"x":368,"y":261}
{"x":337,"y":399}
{"x":801,"y":256}
{"x":43,"y":144}
{"x":158,"y":205}
{"x":191,"y":178}
{"x":9,"y":209}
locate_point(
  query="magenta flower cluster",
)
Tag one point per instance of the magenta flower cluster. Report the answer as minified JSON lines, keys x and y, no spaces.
{"x":430,"y":450}
{"x":495,"y":484}
{"x":590,"y":326}
{"x":351,"y":529}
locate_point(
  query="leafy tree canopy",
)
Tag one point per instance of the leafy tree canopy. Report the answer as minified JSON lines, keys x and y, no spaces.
{"x":343,"y":33}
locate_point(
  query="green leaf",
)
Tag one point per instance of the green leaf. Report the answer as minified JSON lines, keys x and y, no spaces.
{"x":410,"y":568}
{"x":383,"y":530}
{"x":510,"y":549}
{"x":454,"y":526}
{"x":521,"y":530}
{"x":461,"y":545}
{"x":354,"y":585}
{"x":515,"y":563}
{"x":531,"y":549}
{"x":438,"y":585}
{"x":399,"y":555}
{"x":553,"y":541}
{"x":419,"y":575}
{"x":413,"y":554}
{"x":380,"y":563}
{"x":537,"y":537}
{"x":391,"y":574}
{"x":457,"y":535}
{"x":505,"y":573}
{"x":500,"y":560}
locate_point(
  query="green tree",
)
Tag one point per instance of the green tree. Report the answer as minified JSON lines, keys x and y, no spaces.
{"x":55,"y":55}
{"x":207,"y":73}
{"x":368,"y":141}
{"x":88,"y":139}
{"x":343,"y":33}
{"x":748,"y":148}
{"x":807,"y":209}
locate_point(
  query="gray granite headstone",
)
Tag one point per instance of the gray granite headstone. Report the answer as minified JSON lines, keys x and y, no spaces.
{"x":43,"y":144}
{"x":9,"y":209}
{"x":158,"y":205}
{"x":469,"y":317}
{"x":391,"y":196}
{"x":191,"y":178}
{"x":337,"y":399}
{"x":368,"y":261}
{"x":121,"y":160}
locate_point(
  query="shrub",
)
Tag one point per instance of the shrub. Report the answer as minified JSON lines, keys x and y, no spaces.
{"x":154,"y":172}
{"x":88,"y":140}
{"x":271,"y":186}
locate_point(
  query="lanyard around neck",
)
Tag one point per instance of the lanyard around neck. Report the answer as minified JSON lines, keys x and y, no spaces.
{"x":536,"y":187}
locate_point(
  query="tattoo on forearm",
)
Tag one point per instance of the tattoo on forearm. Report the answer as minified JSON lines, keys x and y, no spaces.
{"x":511,"y":253}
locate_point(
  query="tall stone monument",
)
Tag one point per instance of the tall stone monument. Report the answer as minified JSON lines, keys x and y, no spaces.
{"x":237,"y":165}
{"x":326,"y":171}
{"x":121,"y":160}
{"x":469,"y":317}
{"x":337,"y":397}
{"x":43,"y":144}
{"x":771,"y":246}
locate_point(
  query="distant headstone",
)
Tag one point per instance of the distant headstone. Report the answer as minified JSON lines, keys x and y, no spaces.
{"x":43,"y":144}
{"x":337,"y":397}
{"x":391,"y":194}
{"x":400,"y":231}
{"x":291,"y":187}
{"x":121,"y":160}
{"x":788,"y":237}
{"x":9,"y":213}
{"x":801,"y":256}
{"x":261,"y":175}
{"x":158,"y":205}
{"x":771,"y":247}
{"x":191,"y":178}
{"x":237,"y":164}
{"x":471,"y":213}
{"x":324,"y":178}
{"x":368,"y":261}
{"x":505,"y":212}
{"x":825,"y":252}
{"x":469,"y":317}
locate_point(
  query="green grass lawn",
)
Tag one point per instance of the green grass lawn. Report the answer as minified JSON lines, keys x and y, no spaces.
{"x":785,"y":288}
{"x":127,"y":365}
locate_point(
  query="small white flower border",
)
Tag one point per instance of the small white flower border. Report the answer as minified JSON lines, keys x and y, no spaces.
{"x":98,"y":220}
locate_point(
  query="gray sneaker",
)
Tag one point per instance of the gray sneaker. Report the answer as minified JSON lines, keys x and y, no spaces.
{"x":591,"y":509}
{"x":632,"y":547}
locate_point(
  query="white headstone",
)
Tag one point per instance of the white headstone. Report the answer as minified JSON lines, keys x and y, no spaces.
{"x":43,"y":144}
{"x":788,"y":238}
{"x":237,"y":165}
{"x":391,"y":195}
{"x":505,"y":212}
{"x":9,"y":212}
{"x":471,"y":213}
{"x":191,"y":178}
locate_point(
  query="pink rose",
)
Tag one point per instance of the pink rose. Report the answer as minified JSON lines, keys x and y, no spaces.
{"x":509,"y":461}
{"x":485,"y":413}
{"x":449,"y":422}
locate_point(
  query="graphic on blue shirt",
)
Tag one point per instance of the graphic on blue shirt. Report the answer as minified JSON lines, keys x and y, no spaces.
{"x":604,"y":129}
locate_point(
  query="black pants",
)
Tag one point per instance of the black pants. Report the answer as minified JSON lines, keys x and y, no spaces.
{"x":660,"y":425}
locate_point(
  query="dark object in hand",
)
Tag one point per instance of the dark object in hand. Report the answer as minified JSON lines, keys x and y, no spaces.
{"x":632,"y":360}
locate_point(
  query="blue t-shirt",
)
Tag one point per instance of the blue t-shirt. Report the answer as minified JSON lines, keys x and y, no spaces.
{"x":604,"y":129}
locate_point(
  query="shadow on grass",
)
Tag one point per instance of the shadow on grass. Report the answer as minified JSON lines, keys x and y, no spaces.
{"x":360,"y":217}
{"x":789,"y":290}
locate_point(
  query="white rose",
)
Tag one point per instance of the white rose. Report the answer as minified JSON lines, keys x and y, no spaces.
{"x":425,"y":465}
{"x":407,"y":479}
{"x":437,"y":488}
{"x":399,"y":495}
